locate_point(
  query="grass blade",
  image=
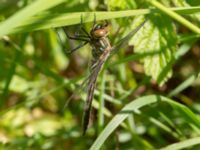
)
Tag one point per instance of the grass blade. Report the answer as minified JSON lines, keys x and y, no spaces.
{"x":183,"y":144}
{"x":133,"y":107}
{"x":177,"y":17}
{"x":49,"y":20}
{"x":25,"y":13}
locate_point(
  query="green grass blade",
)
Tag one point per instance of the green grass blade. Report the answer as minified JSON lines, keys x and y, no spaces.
{"x":133,"y":107}
{"x":101,"y":103}
{"x":65,"y":19}
{"x":183,"y":144}
{"x":11,"y":72}
{"x":25,"y":13}
{"x":185,"y":84}
{"x":176,"y":16}
{"x":49,"y":20}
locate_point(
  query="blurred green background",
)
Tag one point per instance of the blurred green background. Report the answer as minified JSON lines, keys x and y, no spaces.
{"x":38,"y":78}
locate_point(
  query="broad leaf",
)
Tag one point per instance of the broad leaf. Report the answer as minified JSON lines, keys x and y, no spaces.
{"x":157,"y":40}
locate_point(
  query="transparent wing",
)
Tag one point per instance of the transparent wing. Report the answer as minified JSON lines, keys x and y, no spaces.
{"x":90,"y":93}
{"x":96,"y":68}
{"x":123,"y":42}
{"x":80,"y":88}
{"x":89,"y":83}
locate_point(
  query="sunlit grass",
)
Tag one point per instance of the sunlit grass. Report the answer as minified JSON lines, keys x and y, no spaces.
{"x":130,"y":109}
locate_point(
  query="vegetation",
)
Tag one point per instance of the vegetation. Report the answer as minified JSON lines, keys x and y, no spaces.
{"x":147,"y":95}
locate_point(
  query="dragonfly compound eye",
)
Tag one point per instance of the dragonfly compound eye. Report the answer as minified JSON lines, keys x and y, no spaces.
{"x":99,"y":31}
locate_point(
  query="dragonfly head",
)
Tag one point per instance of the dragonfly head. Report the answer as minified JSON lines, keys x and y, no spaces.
{"x":100,"y":30}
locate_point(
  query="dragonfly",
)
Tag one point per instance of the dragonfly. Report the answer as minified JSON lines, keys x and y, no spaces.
{"x":101,"y":47}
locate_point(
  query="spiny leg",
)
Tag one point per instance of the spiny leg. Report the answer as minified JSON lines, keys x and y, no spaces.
{"x":64,"y":47}
{"x":77,"y":37}
{"x":82,"y":28}
{"x":106,"y":23}
{"x":94,"y":21}
{"x":77,"y":34}
{"x":76,"y":48}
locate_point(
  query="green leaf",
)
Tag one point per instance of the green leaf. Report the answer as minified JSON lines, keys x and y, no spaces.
{"x":158,"y":40}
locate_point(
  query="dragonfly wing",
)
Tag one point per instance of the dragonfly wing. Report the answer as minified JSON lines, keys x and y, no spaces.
{"x":123,"y":42}
{"x":80,"y":88}
{"x":90,"y":94}
{"x":96,"y":68}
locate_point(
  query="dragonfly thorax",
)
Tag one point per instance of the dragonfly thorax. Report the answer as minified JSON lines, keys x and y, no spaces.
{"x":99,"y":46}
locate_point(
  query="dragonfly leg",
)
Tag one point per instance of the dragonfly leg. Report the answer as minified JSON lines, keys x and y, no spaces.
{"x":106,"y":23}
{"x":94,"y":21}
{"x":76,"y":48}
{"x":77,"y":37}
{"x":77,"y":34}
{"x":83,"y":29}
